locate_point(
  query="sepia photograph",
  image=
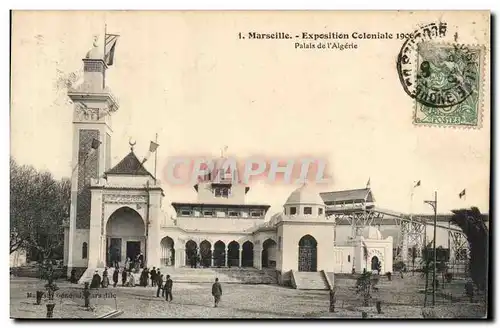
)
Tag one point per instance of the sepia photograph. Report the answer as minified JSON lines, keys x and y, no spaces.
{"x":250,"y":164}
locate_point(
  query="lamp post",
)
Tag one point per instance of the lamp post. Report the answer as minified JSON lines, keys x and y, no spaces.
{"x":433,"y":204}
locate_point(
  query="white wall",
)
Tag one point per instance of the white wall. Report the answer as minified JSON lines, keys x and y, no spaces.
{"x":343,"y":258}
{"x":294,"y":231}
{"x":217,"y":224}
{"x":66,"y":246}
{"x":80,"y":236}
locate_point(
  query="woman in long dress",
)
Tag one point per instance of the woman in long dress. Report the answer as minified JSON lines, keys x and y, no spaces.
{"x":96,"y":280}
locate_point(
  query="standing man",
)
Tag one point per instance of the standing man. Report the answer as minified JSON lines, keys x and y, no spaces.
{"x":124,"y":276}
{"x":168,"y":289}
{"x":115,"y":277}
{"x":153,"y":277}
{"x":216,"y":292}
{"x":73,"y":279}
{"x":159,"y":282}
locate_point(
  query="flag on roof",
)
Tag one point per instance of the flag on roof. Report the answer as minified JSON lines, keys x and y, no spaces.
{"x":417,"y":184}
{"x":153,"y":146}
{"x":368,"y":183}
{"x":462,"y":194}
{"x":109,"y":49}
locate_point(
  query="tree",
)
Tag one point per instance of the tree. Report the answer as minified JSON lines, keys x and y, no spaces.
{"x":21,"y":192}
{"x":364,"y":286}
{"x":38,"y":206}
{"x":471,"y":221}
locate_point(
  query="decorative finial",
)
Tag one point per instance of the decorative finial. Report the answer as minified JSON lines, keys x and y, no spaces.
{"x":96,"y":40}
{"x":132,"y":144}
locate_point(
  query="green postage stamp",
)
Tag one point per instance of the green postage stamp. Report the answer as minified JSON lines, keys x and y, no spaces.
{"x":448,"y":85}
{"x":444,"y":78}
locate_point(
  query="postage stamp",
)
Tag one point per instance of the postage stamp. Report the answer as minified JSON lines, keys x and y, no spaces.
{"x":444,"y":79}
{"x":448,"y":85}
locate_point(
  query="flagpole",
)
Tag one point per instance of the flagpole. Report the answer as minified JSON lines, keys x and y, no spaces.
{"x":406,"y":235}
{"x":147,"y":225}
{"x":156,"y":156}
{"x":434,"y":246}
{"x":104,"y":58}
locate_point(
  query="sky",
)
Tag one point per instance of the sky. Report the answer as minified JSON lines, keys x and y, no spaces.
{"x":187,"y":77}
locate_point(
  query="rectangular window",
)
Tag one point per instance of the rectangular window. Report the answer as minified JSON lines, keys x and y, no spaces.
{"x":208,"y":213}
{"x":293,"y":210}
{"x":256,"y":214}
{"x":233,"y":214}
{"x":320,"y":211}
{"x":185,"y":213}
{"x":308,"y":210}
{"x":221,"y":192}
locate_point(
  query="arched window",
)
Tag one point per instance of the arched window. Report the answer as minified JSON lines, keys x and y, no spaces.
{"x":348,"y":258}
{"x":84,"y":251}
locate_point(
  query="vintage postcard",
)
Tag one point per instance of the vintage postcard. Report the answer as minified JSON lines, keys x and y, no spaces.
{"x":250,"y":164}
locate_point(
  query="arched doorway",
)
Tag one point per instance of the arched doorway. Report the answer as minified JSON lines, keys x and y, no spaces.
{"x":233,"y":254}
{"x":269,"y":256}
{"x":167,"y":257}
{"x":247,"y":254}
{"x":375,"y":263}
{"x":219,"y":254}
{"x":206,"y":254}
{"x":125,"y":238}
{"x":191,"y":253}
{"x":308,"y":254}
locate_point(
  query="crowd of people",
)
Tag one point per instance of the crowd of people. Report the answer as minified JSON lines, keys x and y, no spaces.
{"x":163,"y":284}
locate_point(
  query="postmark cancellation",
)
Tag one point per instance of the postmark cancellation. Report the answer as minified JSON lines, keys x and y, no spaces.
{"x":449,"y":83}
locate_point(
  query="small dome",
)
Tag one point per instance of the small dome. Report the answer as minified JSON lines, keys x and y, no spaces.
{"x":305,"y":195}
{"x":371,"y":233}
{"x":95,"y":53}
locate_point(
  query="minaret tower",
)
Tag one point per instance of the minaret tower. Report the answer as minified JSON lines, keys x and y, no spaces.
{"x":93,"y":105}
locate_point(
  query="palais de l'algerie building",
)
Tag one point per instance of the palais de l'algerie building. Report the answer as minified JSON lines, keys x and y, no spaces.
{"x":116,"y":210}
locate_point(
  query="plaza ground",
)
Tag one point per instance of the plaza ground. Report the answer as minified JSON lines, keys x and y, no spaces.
{"x":400,"y":299}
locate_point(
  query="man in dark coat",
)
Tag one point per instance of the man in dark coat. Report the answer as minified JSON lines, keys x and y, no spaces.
{"x":141,"y":278}
{"x":168,"y":289}
{"x":153,"y":277}
{"x":159,"y":282}
{"x":124,"y":276}
{"x":96,"y":280}
{"x":115,"y":277}
{"x":72,"y":278}
{"x":105,"y":278}
{"x":216,"y":292}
